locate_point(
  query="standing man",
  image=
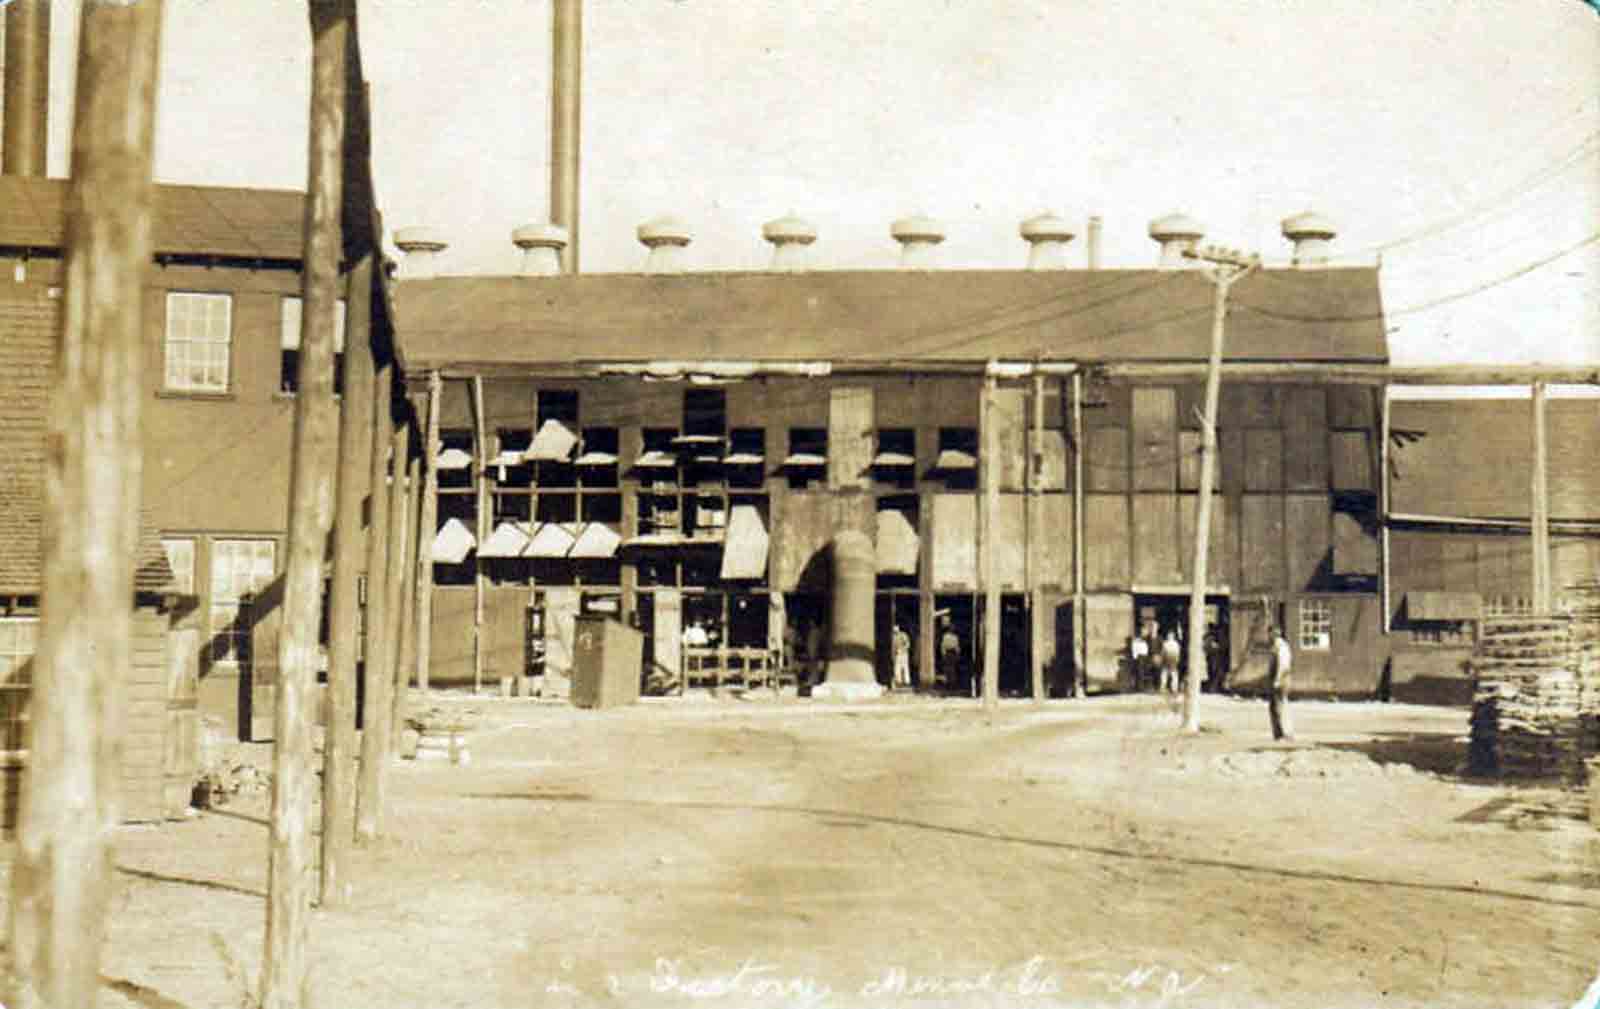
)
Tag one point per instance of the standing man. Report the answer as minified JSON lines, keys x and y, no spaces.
{"x":949,"y":655}
{"x":1139,"y":661}
{"x":902,"y":658}
{"x":1278,"y":705}
{"x":1171,"y":657}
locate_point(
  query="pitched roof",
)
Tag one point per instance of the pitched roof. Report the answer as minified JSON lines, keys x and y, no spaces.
{"x":28,"y":321}
{"x":189,"y":220}
{"x":888,"y":316}
{"x":1474,"y":458}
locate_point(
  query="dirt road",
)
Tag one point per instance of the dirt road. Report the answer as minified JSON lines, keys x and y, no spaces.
{"x":783,"y":853}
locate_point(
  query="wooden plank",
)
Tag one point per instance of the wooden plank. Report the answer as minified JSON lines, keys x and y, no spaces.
{"x":1052,"y":542}
{"x":1308,"y":536}
{"x":1350,"y":406}
{"x":505,"y":617}
{"x":850,"y":437}
{"x":1010,"y":418}
{"x":955,"y":561}
{"x":800,"y":533}
{"x":560,"y":629}
{"x":1459,"y":563}
{"x":1189,"y":461}
{"x":1105,"y":540}
{"x":1011,"y":542}
{"x":1355,"y":550}
{"x":1222,"y":566}
{"x":1351,"y":453}
{"x":1054,"y":472}
{"x":1155,"y":540}
{"x":1108,"y":623}
{"x":1305,"y":426}
{"x":1155,"y":459}
{"x":452,"y":635}
{"x":1261,"y":542}
{"x":1106,"y":461}
{"x":1231,"y":465}
{"x":1263,"y":460}
{"x":667,"y":633}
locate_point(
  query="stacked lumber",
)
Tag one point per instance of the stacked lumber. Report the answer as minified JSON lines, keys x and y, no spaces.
{"x":1528,"y":708}
{"x":1583,"y":603}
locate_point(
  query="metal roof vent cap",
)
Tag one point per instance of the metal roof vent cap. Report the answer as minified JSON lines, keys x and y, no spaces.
{"x":919,"y":237}
{"x":1047,"y":236}
{"x":1177,"y":234}
{"x":541,"y":246}
{"x":421,"y":246}
{"x":666,"y":238}
{"x":789,"y":235}
{"x":1312,"y":235}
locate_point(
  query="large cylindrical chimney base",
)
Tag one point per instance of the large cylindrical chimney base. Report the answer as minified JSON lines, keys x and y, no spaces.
{"x":852,"y":650}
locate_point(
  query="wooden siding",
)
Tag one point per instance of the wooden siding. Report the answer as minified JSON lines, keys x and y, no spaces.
{"x":851,"y":437}
{"x":801,"y":530}
{"x":145,"y":719}
{"x":1055,"y":472}
{"x":1222,"y":557}
{"x":1352,"y":460}
{"x":1155,"y":460}
{"x":955,"y":563}
{"x":505,"y":617}
{"x":1263,"y":460}
{"x":1108,"y":623}
{"x":1010,"y":418}
{"x":1155,"y":540}
{"x":1106,"y":464}
{"x":1053,"y":542}
{"x":1105,"y":540}
{"x":1355,"y":550}
{"x":450,"y":654}
{"x":1261,"y":542}
{"x":1305,"y":429}
{"x":1307,"y":534}
{"x":1010,"y":532}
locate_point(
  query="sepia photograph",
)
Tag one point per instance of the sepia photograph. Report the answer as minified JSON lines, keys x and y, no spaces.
{"x":800,"y":504}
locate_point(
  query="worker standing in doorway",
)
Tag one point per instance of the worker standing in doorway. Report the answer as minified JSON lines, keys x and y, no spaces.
{"x":1171,"y":657}
{"x":1278,"y":705}
{"x":902,"y":658}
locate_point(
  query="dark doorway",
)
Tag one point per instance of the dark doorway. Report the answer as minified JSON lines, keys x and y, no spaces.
{"x":953,"y":651}
{"x":1161,"y":613}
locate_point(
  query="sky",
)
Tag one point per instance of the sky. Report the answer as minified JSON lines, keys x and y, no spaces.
{"x":1459,"y":141}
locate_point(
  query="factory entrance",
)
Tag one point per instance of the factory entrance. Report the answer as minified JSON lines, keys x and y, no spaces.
{"x":964,"y":615}
{"x":1158,"y":613}
{"x":897,"y":610}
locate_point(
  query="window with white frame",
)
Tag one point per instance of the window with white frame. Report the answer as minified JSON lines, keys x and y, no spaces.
{"x":199,"y":341}
{"x":1316,"y":625}
{"x":291,"y":320}
{"x":180,"y":558}
{"x":19,"y":636}
{"x":239,"y":570}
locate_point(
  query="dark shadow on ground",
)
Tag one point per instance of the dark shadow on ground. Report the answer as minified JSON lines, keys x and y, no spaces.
{"x":205,"y":884}
{"x":1103,"y":851}
{"x":140,"y":994}
{"x":1441,"y":753}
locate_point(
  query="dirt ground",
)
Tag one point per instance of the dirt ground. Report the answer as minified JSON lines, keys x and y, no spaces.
{"x":780,"y":852}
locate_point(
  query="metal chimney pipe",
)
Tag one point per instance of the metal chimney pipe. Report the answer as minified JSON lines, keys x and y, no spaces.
{"x":1093,"y":241}
{"x":27,"y":88}
{"x":566,"y":120}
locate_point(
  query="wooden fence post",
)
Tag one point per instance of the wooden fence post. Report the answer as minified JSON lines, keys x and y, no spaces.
{"x":376,"y":672}
{"x":62,"y":875}
{"x":425,"y":532}
{"x":406,"y":646}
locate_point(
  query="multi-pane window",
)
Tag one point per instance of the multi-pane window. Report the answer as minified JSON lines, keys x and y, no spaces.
{"x":198,"y":341}
{"x":1316,"y":625}
{"x":1506,"y":606}
{"x":180,"y":558}
{"x":239,"y":570}
{"x":1445,"y":633}
{"x":289,"y":341}
{"x":19,"y":636}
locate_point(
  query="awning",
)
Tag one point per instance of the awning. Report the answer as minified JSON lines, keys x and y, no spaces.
{"x":898,"y":543}
{"x":597,"y":540}
{"x":508,"y":457}
{"x":453,"y":542}
{"x":453,"y":458}
{"x":744,"y":459}
{"x":656,"y":459}
{"x":893,"y":459}
{"x":744,"y":552}
{"x":805,"y":459}
{"x":655,"y":540}
{"x":509,"y":539}
{"x":553,"y":539}
{"x":955,"y":459}
{"x":553,"y":442}
{"x":596,"y":459}
{"x":697,"y":440}
{"x":1434,"y":605}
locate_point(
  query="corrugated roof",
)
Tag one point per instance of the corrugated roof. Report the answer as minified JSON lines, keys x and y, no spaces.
{"x":1474,"y":458}
{"x":189,"y":220}
{"x":888,"y":316}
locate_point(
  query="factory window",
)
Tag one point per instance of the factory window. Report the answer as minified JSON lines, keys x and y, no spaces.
{"x":957,"y":461}
{"x":745,"y":464}
{"x":199,"y":340}
{"x":705,"y":412}
{"x":509,"y":465}
{"x":558,"y":404}
{"x":895,"y":462}
{"x":1316,"y":625}
{"x":454,"y":459}
{"x":808,"y":455}
{"x":19,"y":636}
{"x":180,"y":558}
{"x":239,"y":570}
{"x":597,"y":462}
{"x":1442,"y":633}
{"x":289,"y":340}
{"x":1506,"y":606}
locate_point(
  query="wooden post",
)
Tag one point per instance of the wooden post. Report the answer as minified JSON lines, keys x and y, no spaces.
{"x":416,"y":546}
{"x":988,"y":512}
{"x":1080,"y":625}
{"x":394,"y":575}
{"x":63,"y":869}
{"x":1202,"y":518}
{"x":349,"y":543}
{"x":425,"y":532}
{"x":1035,"y":476}
{"x":1542,"y":595}
{"x":376,"y":670}
{"x":480,"y":465}
{"x":313,"y":452}
{"x":1385,"y":589}
{"x":27,"y":88}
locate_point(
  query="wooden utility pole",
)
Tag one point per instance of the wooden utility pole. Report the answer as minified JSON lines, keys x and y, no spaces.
{"x":313,"y":453}
{"x":1080,"y":620}
{"x":27,"y":88}
{"x":349,"y":543}
{"x":394,"y":575}
{"x":480,"y":484}
{"x":425,"y":531}
{"x":1035,"y":477}
{"x":1542,"y":595}
{"x":988,"y":513}
{"x":1231,"y":266}
{"x":406,"y":646}
{"x":378,"y":672}
{"x":61,"y":878}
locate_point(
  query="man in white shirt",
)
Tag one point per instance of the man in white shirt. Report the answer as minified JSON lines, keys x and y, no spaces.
{"x":1278,"y":704}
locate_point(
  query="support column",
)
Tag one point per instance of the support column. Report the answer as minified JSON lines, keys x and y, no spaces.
{"x":851,"y":653}
{"x":27,"y":88}
{"x":1080,"y":624}
{"x":988,"y":513}
{"x":480,"y":484}
{"x":402,"y":520}
{"x":426,"y":525}
{"x":376,"y":705}
{"x":1543,"y":596}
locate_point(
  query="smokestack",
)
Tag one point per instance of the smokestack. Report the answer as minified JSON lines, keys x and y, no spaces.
{"x":1095,"y":227}
{"x":1177,"y":234}
{"x":919,"y":237}
{"x":1312,"y":235}
{"x":666,"y":238}
{"x":566,"y":120}
{"x":27,"y":88}
{"x":1047,"y":236}
{"x":422,"y":247}
{"x":790,"y":236}
{"x":541,"y":246}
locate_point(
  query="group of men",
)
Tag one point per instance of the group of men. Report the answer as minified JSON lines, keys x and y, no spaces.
{"x":1158,"y":657}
